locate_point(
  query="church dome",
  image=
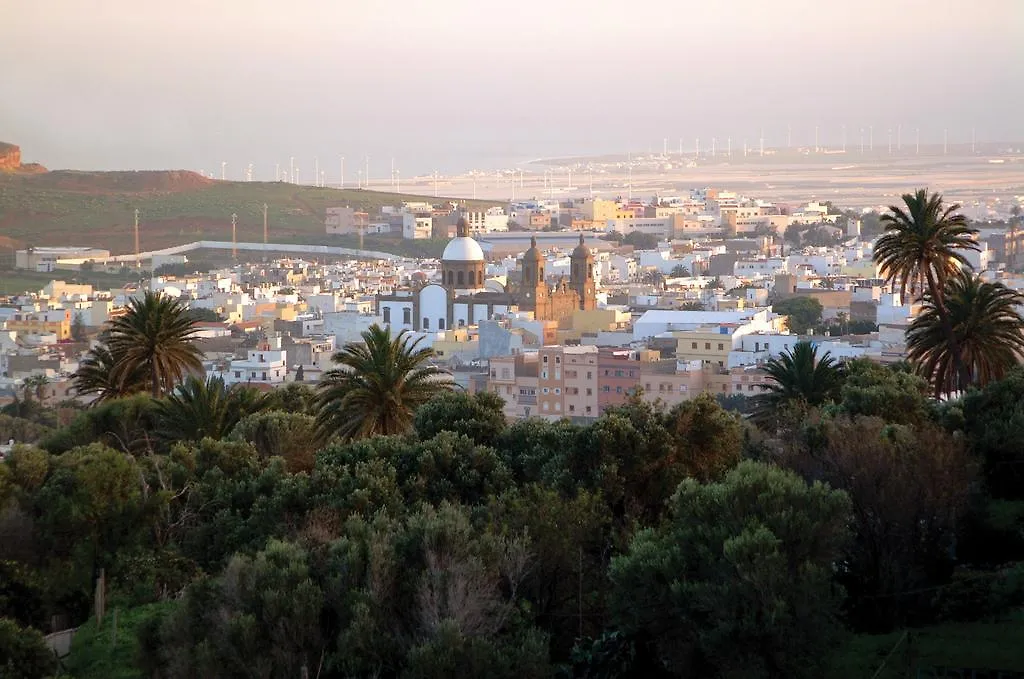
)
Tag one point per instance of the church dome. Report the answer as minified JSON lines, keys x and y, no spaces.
{"x":463,"y":249}
{"x":581,"y":251}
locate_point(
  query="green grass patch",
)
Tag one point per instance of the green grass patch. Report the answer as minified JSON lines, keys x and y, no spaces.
{"x":16,"y":282}
{"x":979,"y":645}
{"x":95,"y":654}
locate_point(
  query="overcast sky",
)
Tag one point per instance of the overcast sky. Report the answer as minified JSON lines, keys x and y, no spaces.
{"x":455,"y":84}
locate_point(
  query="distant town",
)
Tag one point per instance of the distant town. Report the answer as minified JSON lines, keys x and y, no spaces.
{"x":562,"y":308}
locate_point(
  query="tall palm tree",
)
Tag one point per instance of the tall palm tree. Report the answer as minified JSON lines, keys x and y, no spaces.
{"x":988,"y":332}
{"x":95,"y":376}
{"x":158,"y":336}
{"x":799,"y":376}
{"x":197,"y":409}
{"x":378,"y":386}
{"x":922,"y":247}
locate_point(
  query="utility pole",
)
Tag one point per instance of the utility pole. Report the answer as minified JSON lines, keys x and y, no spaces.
{"x":234,"y":240}
{"x":137,"y":262}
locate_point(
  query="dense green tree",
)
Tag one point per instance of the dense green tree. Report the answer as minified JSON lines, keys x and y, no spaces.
{"x":907,"y":485}
{"x":478,"y":416}
{"x":987,"y":334}
{"x":804,"y":313}
{"x":708,"y":439}
{"x":126,"y":424}
{"x":23,"y":653}
{"x":993,"y":423}
{"x":798,"y":377}
{"x":738,"y":582}
{"x":289,"y":435}
{"x":894,"y":393}
{"x":922,"y":247}
{"x":378,"y":387}
{"x":78,"y":331}
{"x":679,"y":271}
{"x":292,"y":398}
{"x":198,"y":409}
{"x":157,"y":337}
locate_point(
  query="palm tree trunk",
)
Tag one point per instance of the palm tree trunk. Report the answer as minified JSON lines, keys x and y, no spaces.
{"x":154,"y":379}
{"x":947,"y":328}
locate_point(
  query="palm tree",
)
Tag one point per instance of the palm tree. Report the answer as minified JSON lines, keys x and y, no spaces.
{"x":35,"y":385}
{"x":95,"y":376}
{"x":378,"y":386}
{"x":799,"y":376}
{"x":198,"y":409}
{"x":988,"y":330}
{"x":922,"y":248}
{"x":157,"y":335}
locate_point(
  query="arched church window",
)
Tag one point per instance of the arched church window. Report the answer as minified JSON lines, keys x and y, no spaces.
{"x":461,"y":278}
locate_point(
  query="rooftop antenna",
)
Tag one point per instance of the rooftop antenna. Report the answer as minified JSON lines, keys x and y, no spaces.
{"x":137,"y":237}
{"x":264,"y":223}
{"x":342,"y":172}
{"x":234,"y":240}
{"x":223,"y":169}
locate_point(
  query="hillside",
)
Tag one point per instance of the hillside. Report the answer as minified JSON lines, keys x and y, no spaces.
{"x":96,"y":209}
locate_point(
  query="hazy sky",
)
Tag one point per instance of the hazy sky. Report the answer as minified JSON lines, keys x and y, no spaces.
{"x":454,"y":84}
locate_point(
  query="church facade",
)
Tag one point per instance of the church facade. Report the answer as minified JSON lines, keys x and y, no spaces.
{"x":463,"y":297}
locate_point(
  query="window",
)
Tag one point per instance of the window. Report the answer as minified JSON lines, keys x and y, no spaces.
{"x":462,"y":322}
{"x":545,"y":359}
{"x":387,"y":314}
{"x":253,"y":375}
{"x":451,"y":278}
{"x":264,"y":376}
{"x":558,"y":406}
{"x":721,"y":346}
{"x":407,"y":316}
{"x":440,"y":324}
{"x":590,"y":375}
{"x":606,"y":389}
{"x":693,"y":345}
{"x":739,"y":387}
{"x":462,"y":277}
{"x":590,"y":392}
{"x":618,"y":373}
{"x":618,"y":390}
{"x":707,"y":346}
{"x":545,"y":406}
{"x":543,"y":374}
{"x":558,"y":391}
{"x":238,"y":374}
{"x":545,"y":390}
{"x":558,"y":359}
{"x":426,"y":323}
{"x":588,"y":409}
{"x":262,"y":359}
{"x":572,"y":408}
{"x":558,"y":374}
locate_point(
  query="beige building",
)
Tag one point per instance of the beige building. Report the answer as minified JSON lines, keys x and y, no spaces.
{"x":567,"y":381}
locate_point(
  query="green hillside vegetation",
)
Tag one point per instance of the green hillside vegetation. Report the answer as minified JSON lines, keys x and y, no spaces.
{"x":97,"y":209}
